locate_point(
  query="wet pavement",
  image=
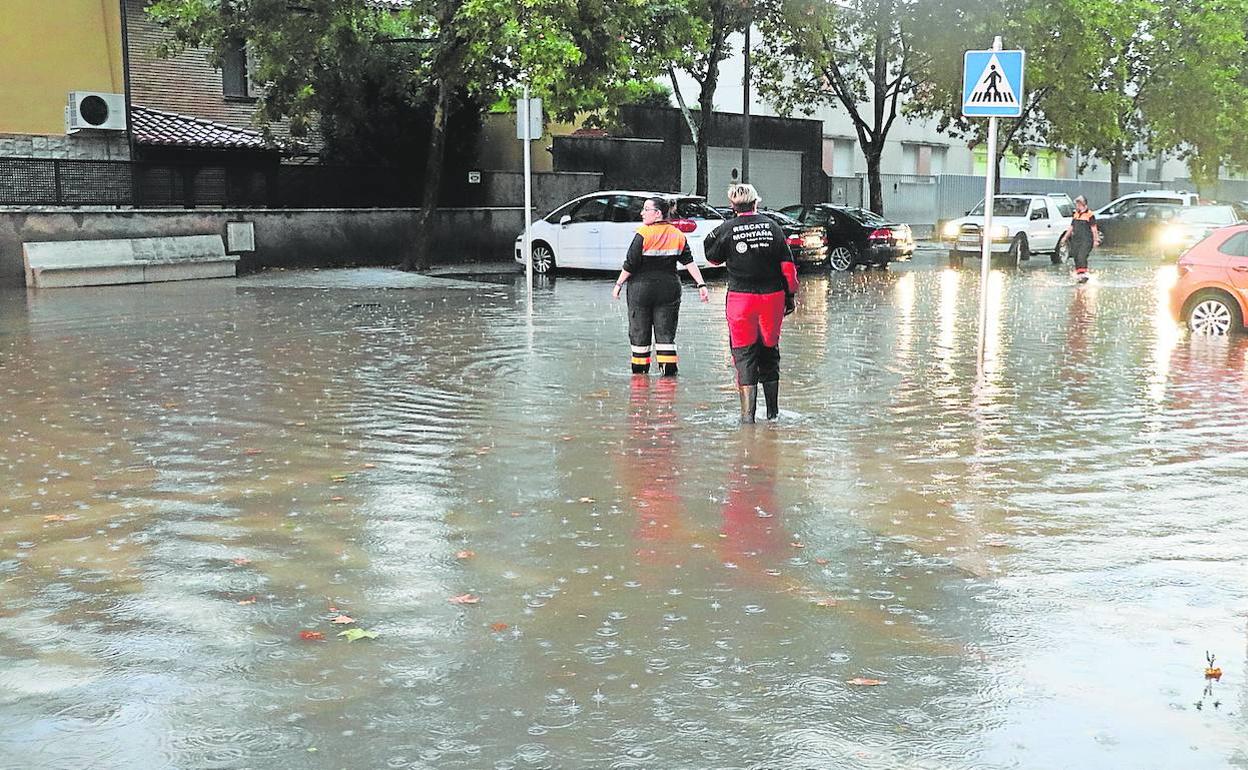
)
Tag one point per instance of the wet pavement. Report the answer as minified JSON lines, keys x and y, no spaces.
{"x":568,"y":567}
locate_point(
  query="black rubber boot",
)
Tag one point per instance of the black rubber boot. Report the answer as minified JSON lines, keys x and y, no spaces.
{"x":749,"y":403}
{"x":641,"y":368}
{"x":771,"y":394}
{"x":669,"y":370}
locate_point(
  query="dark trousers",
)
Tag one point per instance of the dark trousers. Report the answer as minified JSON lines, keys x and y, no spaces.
{"x":1079,"y":250}
{"x":653,"y":313}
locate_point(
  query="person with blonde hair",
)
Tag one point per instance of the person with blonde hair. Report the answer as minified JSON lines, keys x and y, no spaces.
{"x":762,"y":282}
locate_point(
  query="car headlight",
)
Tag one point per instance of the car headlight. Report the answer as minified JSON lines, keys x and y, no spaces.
{"x":1000,"y":233}
{"x":1173,"y":235}
{"x":951,"y":229}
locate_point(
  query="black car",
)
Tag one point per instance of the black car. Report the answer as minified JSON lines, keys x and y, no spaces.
{"x":856,"y":236}
{"x":807,"y":243}
{"x":1141,"y":223}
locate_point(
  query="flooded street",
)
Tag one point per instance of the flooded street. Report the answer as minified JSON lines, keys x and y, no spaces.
{"x":206,"y":483}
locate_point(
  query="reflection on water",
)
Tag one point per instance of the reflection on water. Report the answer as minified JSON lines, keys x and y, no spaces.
{"x":1033,"y":557}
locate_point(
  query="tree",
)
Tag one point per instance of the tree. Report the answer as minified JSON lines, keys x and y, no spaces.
{"x":860,"y":54}
{"x":692,"y":36}
{"x":440,"y":53}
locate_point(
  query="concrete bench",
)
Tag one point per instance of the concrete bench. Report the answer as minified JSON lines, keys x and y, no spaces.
{"x":51,"y":264}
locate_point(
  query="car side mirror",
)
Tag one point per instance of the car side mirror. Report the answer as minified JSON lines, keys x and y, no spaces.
{"x":565,"y":220}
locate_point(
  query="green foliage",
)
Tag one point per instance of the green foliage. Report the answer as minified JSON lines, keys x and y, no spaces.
{"x":861,"y":55}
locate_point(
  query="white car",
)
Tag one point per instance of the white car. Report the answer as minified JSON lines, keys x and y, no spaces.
{"x":593,"y":232}
{"x":1122,"y":204}
{"x":1022,"y":224}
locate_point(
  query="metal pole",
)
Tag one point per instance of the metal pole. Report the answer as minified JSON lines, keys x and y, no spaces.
{"x":985,"y":267}
{"x":528,"y":196}
{"x":745,"y":111}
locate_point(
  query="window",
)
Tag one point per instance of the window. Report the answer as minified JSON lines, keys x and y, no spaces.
{"x":625,"y":208}
{"x":922,"y":159}
{"x":235,"y":77}
{"x":592,"y":210}
{"x":1236,"y":245}
{"x":1041,"y":207}
{"x":838,"y":156}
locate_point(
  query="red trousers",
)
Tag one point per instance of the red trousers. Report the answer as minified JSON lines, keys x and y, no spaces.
{"x":754,"y":322}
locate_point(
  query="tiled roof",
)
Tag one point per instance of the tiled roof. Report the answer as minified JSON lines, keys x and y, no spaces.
{"x":169,"y":129}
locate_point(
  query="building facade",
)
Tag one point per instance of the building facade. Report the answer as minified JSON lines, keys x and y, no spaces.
{"x":48,"y":51}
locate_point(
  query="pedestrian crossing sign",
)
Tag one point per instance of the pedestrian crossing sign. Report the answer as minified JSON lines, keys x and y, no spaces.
{"x":992,"y":84}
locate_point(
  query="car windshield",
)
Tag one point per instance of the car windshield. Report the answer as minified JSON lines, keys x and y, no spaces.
{"x":864,"y":216}
{"x":695,"y":208}
{"x":782,"y":219}
{"x":1005,"y":207}
{"x":1207,"y":215}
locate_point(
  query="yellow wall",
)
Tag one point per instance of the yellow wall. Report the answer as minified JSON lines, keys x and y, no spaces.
{"x":49,"y":48}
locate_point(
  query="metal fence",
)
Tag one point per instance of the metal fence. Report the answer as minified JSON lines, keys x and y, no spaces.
{"x":55,"y":182}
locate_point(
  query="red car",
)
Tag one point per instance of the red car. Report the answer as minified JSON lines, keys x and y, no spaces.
{"x":1211,"y":294}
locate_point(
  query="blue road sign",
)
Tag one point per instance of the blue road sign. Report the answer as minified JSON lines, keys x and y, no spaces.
{"x":992,"y":84}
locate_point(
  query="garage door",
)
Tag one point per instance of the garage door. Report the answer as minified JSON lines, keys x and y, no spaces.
{"x":776,"y":173}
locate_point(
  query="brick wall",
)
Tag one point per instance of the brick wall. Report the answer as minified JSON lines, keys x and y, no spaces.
{"x":187,"y":83}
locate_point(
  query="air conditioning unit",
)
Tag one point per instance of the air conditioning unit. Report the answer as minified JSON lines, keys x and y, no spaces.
{"x":89,"y":110}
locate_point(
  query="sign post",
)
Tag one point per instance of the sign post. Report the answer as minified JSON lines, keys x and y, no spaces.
{"x":528,"y":128}
{"x":992,"y":87}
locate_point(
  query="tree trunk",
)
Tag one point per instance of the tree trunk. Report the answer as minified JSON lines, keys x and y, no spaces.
{"x":706,"y":116}
{"x":418,"y":255}
{"x":1115,"y":164}
{"x":873,"y":181}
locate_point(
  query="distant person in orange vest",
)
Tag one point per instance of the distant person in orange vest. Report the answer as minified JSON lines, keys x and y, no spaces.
{"x":1080,"y":237}
{"x":654,"y":287}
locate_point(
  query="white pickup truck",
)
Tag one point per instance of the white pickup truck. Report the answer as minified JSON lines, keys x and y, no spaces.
{"x":1022,"y":223}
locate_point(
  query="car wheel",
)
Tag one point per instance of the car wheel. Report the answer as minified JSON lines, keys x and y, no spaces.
{"x":1060,"y":253}
{"x":842,"y":258}
{"x":1019,"y":250}
{"x":543,"y":258}
{"x":1214,"y":314}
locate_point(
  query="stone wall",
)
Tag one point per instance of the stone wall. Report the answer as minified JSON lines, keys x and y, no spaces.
{"x":289,"y":238}
{"x":81,"y":146}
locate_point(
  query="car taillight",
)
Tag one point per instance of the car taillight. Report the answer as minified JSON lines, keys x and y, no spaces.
{"x":685,"y":225}
{"x":881,"y":234}
{"x":794,"y":240}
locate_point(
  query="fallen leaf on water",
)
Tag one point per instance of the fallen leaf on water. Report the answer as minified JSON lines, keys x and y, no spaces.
{"x":252,"y":451}
{"x":796,"y":544}
{"x":170,"y":405}
{"x":343,"y":620}
{"x":829,"y":602}
{"x":240,"y":561}
{"x":58,"y":517}
{"x":300,"y":424}
{"x":338,"y":478}
{"x":586,"y":500}
{"x":311,"y":636}
{"x":772,"y":572}
{"x":248,"y":600}
{"x":337,"y":499}
{"x":465,"y":554}
{"x":821,"y":562}
{"x":353,"y":634}
{"x":515,"y":514}
{"x":464,"y":599}
{"x":368,"y":466}
{"x":864,"y":682}
{"x":497,"y":627}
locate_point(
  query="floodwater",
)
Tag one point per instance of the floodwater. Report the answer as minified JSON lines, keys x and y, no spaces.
{"x":1032,"y":560}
